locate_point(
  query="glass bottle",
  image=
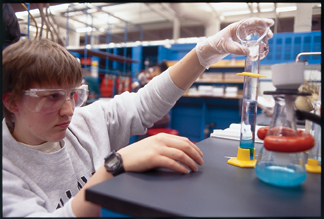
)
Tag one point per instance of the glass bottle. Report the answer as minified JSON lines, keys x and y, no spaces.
{"x":316,"y":152}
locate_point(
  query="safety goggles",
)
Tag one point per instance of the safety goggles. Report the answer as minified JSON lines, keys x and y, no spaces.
{"x":51,"y":100}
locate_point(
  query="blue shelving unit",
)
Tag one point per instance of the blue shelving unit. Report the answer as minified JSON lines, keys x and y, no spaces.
{"x":191,"y":116}
{"x":283,"y":47}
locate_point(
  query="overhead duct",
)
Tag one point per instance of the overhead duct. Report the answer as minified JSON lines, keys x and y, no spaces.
{"x":184,"y":11}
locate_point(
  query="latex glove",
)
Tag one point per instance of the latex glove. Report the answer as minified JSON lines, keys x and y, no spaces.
{"x":225,"y":42}
{"x":162,"y":150}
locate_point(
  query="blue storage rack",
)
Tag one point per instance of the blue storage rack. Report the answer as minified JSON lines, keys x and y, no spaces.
{"x":283,"y":48}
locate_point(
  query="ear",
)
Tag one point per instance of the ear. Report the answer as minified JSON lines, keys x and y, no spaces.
{"x":12,"y":107}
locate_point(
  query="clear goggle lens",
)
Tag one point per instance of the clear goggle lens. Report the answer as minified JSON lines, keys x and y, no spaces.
{"x":50,"y":100}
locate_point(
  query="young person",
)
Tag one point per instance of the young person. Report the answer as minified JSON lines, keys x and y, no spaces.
{"x":53,"y":150}
{"x":145,"y":77}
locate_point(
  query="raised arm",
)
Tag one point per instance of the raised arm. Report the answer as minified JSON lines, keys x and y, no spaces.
{"x":208,"y":52}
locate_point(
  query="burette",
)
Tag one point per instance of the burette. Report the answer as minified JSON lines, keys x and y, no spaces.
{"x":250,"y":96}
{"x":253,"y":37}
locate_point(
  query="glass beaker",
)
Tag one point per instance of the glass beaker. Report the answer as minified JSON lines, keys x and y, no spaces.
{"x":254,"y":35}
{"x":281,"y":160}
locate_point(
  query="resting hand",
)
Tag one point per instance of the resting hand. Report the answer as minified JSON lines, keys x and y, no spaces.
{"x":225,"y":42}
{"x":162,"y":150}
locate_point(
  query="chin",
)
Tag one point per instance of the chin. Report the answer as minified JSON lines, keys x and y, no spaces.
{"x":59,"y":136}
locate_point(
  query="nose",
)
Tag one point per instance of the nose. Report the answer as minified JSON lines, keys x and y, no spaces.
{"x":67,"y":107}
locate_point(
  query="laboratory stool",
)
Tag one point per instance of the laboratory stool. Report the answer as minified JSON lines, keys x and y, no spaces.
{"x":155,"y":131}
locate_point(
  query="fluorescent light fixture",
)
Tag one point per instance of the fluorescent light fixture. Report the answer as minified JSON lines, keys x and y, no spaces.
{"x":59,"y":8}
{"x":131,"y":44}
{"x":112,"y":20}
{"x":74,"y":13}
{"x":32,"y":29}
{"x":145,"y":43}
{"x":35,"y":12}
{"x":92,"y":10}
{"x":91,"y":6}
{"x":166,"y":43}
{"x":266,"y":9}
{"x":231,"y":13}
{"x":84,"y":29}
{"x":21,"y":15}
{"x":105,"y":46}
{"x":181,"y":40}
{"x":24,"y":14}
{"x":188,"y":40}
{"x":286,"y":9}
{"x":158,"y":42}
{"x":192,"y":40}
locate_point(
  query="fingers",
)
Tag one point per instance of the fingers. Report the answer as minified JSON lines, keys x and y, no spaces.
{"x":185,"y":146}
{"x":269,"y":22}
{"x":172,"y":165}
{"x":238,"y":49}
{"x":162,"y":150}
{"x":191,"y":144}
{"x":269,"y":34}
{"x":178,"y":157}
{"x":178,"y":153}
{"x":180,"y":142}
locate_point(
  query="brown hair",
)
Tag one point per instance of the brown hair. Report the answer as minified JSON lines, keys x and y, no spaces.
{"x":39,"y":61}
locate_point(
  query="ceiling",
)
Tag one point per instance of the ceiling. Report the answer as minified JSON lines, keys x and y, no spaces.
{"x":156,"y":21}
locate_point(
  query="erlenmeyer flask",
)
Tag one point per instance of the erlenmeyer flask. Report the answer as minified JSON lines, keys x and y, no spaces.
{"x":281,"y":160}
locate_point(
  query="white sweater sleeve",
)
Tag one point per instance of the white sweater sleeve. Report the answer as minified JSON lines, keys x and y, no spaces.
{"x":138,"y":111}
{"x":128,"y":114}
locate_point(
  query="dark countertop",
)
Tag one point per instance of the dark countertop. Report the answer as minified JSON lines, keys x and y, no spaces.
{"x":217,"y":189}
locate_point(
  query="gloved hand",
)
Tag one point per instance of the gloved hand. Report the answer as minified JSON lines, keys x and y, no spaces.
{"x":225,"y":42}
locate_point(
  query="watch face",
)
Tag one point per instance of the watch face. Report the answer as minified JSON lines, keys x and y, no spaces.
{"x":112,"y":163}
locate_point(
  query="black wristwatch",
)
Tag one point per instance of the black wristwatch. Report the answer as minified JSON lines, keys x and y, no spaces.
{"x":114,"y":163}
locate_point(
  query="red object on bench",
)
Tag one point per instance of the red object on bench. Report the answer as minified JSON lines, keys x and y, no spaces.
{"x":154,"y":131}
